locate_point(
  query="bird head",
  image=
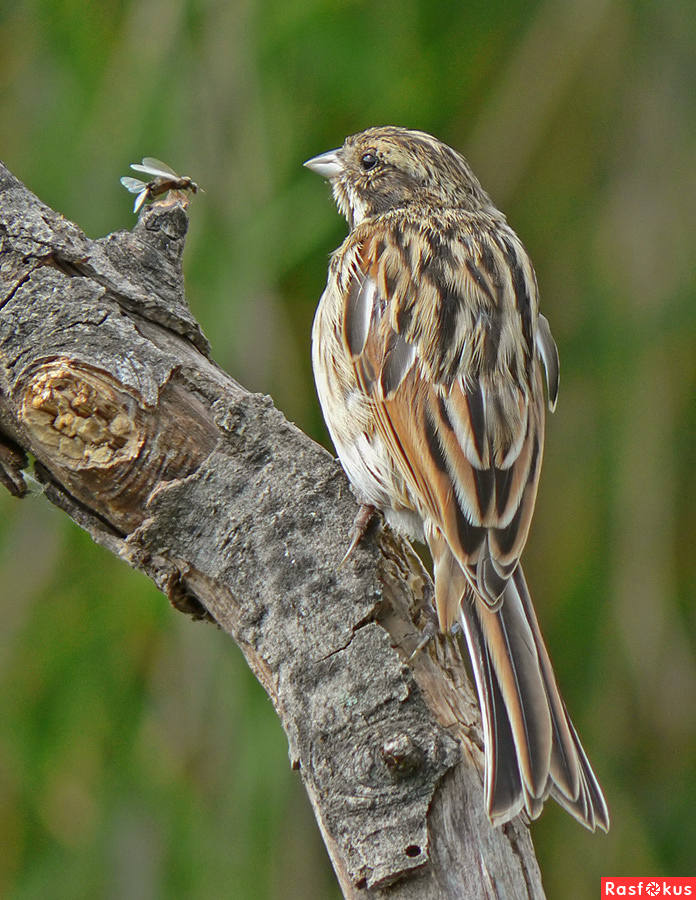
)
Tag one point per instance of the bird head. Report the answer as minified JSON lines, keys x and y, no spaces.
{"x":387,"y":168}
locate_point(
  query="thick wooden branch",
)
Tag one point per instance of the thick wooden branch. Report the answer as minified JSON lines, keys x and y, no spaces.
{"x":106,"y":380}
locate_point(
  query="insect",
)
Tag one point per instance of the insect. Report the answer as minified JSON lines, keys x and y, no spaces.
{"x":165,"y":179}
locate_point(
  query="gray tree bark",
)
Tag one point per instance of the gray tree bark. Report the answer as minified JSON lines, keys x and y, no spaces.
{"x":106,"y":379}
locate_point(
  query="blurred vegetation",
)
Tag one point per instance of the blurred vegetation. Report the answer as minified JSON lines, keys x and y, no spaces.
{"x":138,"y":757}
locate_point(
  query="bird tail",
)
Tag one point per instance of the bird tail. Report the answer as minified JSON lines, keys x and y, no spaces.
{"x":532,"y":748}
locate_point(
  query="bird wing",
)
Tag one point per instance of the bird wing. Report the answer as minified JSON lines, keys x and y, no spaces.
{"x":442,"y":332}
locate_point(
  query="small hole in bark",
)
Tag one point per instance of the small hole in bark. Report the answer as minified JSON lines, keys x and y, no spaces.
{"x":413,"y":850}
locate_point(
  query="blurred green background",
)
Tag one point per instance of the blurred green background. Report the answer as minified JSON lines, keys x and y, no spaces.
{"x":138,"y":756}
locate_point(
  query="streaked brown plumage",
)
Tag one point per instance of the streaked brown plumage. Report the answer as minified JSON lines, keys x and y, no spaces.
{"x":430,"y":357}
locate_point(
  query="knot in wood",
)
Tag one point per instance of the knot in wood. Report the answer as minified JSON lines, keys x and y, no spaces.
{"x":401,"y":755}
{"x":82,"y":415}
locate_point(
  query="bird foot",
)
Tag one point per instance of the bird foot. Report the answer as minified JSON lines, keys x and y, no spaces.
{"x":362,"y":522}
{"x":430,"y":631}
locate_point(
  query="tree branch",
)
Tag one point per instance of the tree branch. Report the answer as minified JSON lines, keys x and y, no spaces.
{"x":237,"y":516}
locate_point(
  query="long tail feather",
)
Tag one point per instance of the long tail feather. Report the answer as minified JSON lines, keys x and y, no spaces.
{"x":573,"y":783}
{"x":532,"y":748}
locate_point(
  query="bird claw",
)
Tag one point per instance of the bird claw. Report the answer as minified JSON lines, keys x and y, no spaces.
{"x":430,"y":631}
{"x":360,"y":525}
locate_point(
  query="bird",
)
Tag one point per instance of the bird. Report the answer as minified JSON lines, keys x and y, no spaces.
{"x":434,"y":367}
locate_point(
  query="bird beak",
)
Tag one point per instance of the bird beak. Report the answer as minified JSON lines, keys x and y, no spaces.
{"x":328,"y":165}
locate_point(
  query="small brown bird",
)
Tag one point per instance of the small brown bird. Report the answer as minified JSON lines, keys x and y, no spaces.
{"x":430,"y":356}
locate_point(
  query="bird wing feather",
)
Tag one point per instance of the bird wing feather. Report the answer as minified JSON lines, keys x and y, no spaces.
{"x":456,"y":397}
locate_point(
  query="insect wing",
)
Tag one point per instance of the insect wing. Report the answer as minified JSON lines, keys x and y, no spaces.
{"x":152,"y":166}
{"x":159,"y":167}
{"x":134,"y":185}
{"x":140,"y":199}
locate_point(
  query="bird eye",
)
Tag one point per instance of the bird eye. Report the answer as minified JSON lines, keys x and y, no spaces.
{"x":368,"y":160}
